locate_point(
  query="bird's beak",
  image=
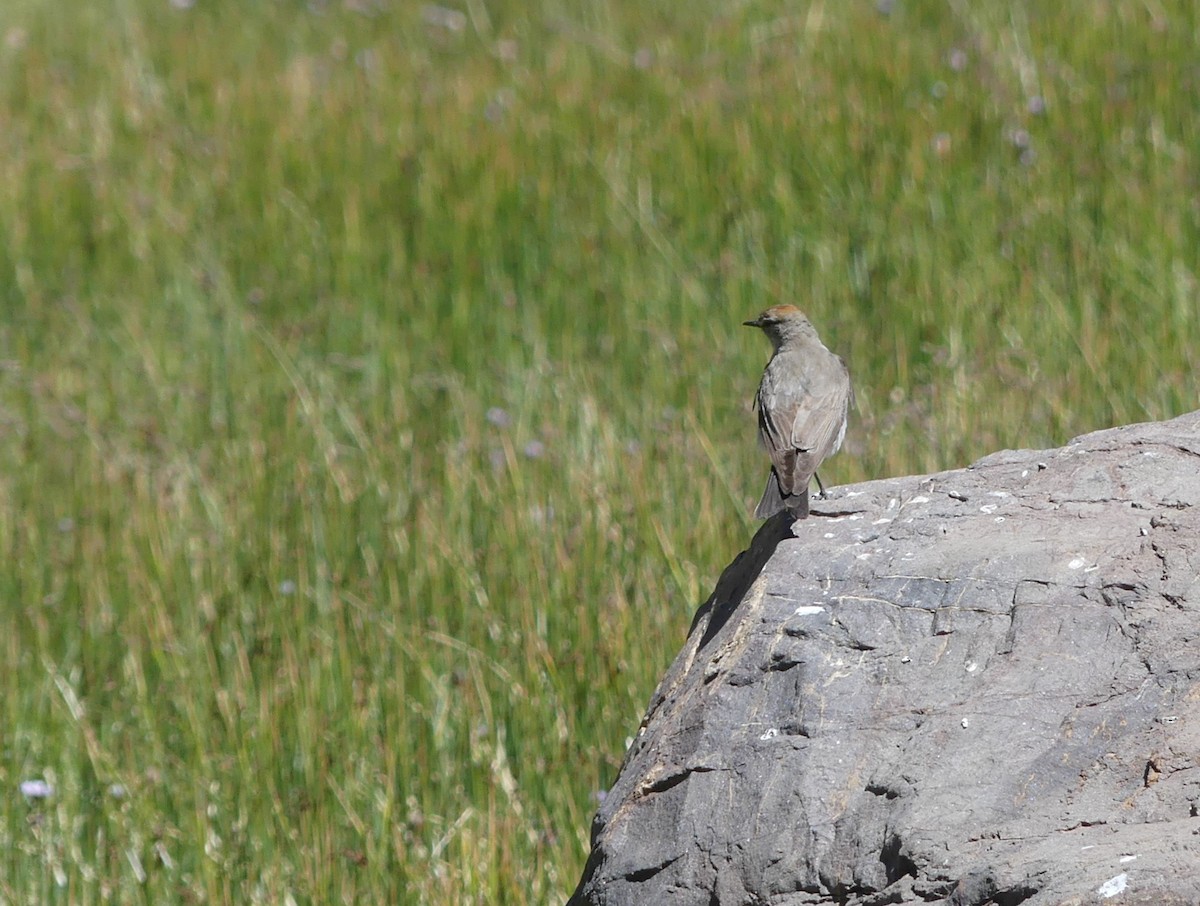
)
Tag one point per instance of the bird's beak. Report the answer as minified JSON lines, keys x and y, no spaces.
{"x":757,"y":322}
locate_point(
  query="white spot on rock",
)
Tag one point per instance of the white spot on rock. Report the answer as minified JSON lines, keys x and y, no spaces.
{"x":807,"y":610}
{"x":988,"y":508}
{"x":1113,"y":886}
{"x":881,"y":522}
{"x":770,"y":734}
{"x":919,"y":500}
{"x":972,"y":667}
{"x":1077,"y":563}
{"x":965,"y":723}
{"x":1125,"y":859}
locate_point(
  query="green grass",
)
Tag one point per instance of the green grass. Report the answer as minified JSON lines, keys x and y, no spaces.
{"x":374,"y":405}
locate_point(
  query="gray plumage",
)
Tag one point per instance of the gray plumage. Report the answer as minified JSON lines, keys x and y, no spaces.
{"x":802,"y":403}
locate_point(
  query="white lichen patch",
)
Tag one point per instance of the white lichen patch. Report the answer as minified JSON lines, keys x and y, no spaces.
{"x":1113,"y":886}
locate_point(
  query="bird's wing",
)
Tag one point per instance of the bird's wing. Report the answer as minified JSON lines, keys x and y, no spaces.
{"x":779,"y":403}
{"x":820,"y":422}
{"x":801,"y":417}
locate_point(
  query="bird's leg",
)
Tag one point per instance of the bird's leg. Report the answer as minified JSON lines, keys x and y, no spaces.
{"x":820,"y":486}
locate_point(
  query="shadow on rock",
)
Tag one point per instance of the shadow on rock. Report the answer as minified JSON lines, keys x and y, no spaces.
{"x":738,"y":577}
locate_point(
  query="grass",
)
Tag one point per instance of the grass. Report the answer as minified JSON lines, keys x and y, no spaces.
{"x":374,"y":409}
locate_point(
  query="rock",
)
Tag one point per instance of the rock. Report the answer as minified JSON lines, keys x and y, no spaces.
{"x":974,"y":687}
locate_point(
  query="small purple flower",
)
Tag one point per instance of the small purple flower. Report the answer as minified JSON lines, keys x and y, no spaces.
{"x":506,"y":50}
{"x":498,"y":417}
{"x":498,"y":105}
{"x":367,"y":60}
{"x":36,"y":789}
{"x":535,"y":449}
{"x":541,"y":516}
{"x":443,"y":17}
{"x":1020,"y":139}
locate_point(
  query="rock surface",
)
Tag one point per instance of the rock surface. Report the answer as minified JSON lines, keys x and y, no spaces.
{"x":975,"y":687}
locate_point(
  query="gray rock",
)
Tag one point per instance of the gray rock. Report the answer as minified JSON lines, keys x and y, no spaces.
{"x":974,"y":687}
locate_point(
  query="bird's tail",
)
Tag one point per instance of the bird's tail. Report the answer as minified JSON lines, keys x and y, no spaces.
{"x":774,"y":502}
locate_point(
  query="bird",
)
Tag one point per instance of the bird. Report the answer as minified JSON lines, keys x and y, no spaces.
{"x":803,"y":401}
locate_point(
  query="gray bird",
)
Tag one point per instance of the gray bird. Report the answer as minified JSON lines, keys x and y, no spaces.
{"x":802,"y":403}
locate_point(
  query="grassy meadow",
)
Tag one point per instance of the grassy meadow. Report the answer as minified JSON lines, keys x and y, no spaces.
{"x":374,"y":405}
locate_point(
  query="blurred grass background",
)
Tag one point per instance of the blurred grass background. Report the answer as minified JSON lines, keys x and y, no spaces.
{"x":374,"y":409}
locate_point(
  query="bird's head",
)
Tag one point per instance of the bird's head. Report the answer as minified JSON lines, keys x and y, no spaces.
{"x":782,"y":323}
